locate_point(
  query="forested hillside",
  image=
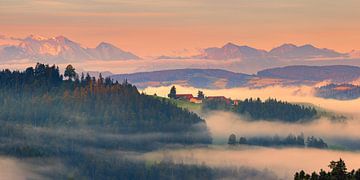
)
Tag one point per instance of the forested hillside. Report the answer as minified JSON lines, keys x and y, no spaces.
{"x":39,"y":96}
{"x":81,"y":124}
{"x":290,"y":140}
{"x":338,"y":91}
{"x":270,"y":109}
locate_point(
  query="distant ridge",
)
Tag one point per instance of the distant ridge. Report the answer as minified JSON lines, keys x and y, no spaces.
{"x":201,"y":78}
{"x":283,"y":52}
{"x":233,"y":51}
{"x":308,"y":51}
{"x":218,"y":78}
{"x":335,"y":73}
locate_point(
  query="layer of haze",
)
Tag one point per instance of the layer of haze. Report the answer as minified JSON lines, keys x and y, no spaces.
{"x":130,"y":66}
{"x":11,"y":168}
{"x":151,"y":64}
{"x":221,"y":124}
{"x":178,"y":27}
{"x":296,"y":94}
{"x":283,"y":161}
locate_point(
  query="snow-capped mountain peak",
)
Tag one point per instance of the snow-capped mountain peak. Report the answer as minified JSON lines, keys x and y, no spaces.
{"x":230,"y":45}
{"x":233,"y":51}
{"x":307,"y":51}
{"x":104,"y":45}
{"x":61,"y":48}
{"x":36,"y":37}
{"x":107,"y":51}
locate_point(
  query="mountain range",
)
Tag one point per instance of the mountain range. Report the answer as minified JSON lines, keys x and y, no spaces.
{"x":233,"y":51}
{"x":60,"y":48}
{"x":285,"y":52}
{"x":217,"y":78}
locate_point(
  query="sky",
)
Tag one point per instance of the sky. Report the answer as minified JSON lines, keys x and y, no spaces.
{"x":178,"y":27}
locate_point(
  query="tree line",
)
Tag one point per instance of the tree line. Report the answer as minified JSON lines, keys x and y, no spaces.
{"x":339,"y":91}
{"x":290,"y":140}
{"x":338,"y":171}
{"x":270,"y":109}
{"x":41,"y":96}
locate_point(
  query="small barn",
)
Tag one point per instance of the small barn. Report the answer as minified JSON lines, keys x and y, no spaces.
{"x":196,"y":100}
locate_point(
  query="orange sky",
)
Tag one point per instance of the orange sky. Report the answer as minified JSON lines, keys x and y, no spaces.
{"x":155,"y":27}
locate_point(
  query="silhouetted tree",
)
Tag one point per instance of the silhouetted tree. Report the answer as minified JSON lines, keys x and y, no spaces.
{"x":338,"y":171}
{"x":201,"y":95}
{"x":316,"y":143}
{"x":290,"y":140}
{"x":242,"y":140}
{"x":70,"y":72}
{"x":232,"y":139}
{"x":172,"y":93}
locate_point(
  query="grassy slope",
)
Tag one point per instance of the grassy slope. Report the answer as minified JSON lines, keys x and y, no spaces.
{"x":184,"y":104}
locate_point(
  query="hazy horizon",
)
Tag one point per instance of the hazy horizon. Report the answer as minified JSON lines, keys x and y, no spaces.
{"x":150,"y":28}
{"x":243,"y":89}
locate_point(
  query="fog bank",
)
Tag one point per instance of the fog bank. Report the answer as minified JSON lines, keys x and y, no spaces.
{"x":222,"y":124}
{"x":284,"y":162}
{"x":15,"y":170}
{"x":295,"y":94}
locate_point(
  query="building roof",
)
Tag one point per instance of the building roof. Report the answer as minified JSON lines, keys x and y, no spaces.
{"x":184,"y":95}
{"x":196,"y":98}
{"x":228,"y":100}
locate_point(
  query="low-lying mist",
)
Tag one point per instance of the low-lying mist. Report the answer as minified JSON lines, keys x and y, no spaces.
{"x":295,"y":94}
{"x":84,"y":148}
{"x":222,"y":124}
{"x":11,"y":168}
{"x":283,"y":161}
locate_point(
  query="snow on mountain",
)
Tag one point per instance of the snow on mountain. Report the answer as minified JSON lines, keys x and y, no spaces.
{"x":291,"y":51}
{"x":106,"y":51}
{"x":283,"y":52}
{"x":233,"y":51}
{"x":61,"y":48}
